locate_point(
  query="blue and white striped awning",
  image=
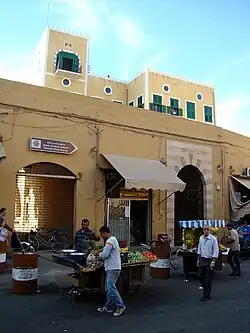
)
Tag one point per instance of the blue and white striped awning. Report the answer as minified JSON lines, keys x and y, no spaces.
{"x":202,"y":223}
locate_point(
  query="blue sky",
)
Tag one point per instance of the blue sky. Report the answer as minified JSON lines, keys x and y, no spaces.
{"x":207,"y":41}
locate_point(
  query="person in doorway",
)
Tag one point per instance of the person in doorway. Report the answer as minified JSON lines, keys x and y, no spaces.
{"x":84,"y":237}
{"x":208,"y":252}
{"x":234,"y":252}
{"x":245,"y":232}
{"x":112,"y":263}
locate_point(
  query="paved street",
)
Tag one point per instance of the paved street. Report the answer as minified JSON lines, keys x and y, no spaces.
{"x":159,"y":307}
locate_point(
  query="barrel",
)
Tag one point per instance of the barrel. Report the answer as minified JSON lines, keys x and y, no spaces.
{"x":3,"y":257}
{"x":160,"y":269}
{"x":24,"y":273}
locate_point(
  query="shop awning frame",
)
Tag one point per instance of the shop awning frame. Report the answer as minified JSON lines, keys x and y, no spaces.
{"x":238,"y":208}
{"x":2,"y":153}
{"x":146,"y":174}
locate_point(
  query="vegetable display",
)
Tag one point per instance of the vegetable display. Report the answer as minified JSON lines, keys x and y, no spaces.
{"x":94,"y":261}
{"x":149,"y":256}
{"x":134,"y":257}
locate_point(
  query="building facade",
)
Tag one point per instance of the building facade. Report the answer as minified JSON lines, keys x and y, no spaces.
{"x":58,"y":168}
{"x":63,"y":63}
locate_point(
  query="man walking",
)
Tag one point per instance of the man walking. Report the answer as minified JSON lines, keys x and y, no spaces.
{"x":245,"y":232}
{"x":208,"y":252}
{"x":234,"y":252}
{"x":112,"y":263}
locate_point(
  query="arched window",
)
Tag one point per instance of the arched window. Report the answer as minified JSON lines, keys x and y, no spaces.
{"x":68,"y":61}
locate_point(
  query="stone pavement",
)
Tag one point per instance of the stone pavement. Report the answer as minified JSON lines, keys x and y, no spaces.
{"x":160,"y":306}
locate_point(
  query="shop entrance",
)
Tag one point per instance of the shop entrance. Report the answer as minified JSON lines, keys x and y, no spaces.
{"x":44,"y":198}
{"x":138,"y":222}
{"x":189,"y":204}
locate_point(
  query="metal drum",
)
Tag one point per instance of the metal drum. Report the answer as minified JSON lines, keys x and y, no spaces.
{"x":24,"y":273}
{"x":161,"y":268}
{"x":3,"y":257}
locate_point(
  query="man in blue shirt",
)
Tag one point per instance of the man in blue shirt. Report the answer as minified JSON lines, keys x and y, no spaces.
{"x":245,"y":232}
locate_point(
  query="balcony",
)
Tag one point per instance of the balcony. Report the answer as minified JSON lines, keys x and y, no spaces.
{"x":157,"y":107}
{"x":68,"y":72}
{"x":174,"y":111}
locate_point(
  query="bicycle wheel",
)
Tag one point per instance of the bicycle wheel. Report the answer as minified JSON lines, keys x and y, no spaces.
{"x":58,"y":243}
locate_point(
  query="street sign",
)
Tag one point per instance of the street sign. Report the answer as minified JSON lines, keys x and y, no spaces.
{"x":52,"y":146}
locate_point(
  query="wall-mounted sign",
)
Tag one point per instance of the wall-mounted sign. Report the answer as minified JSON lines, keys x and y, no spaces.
{"x":133,"y":194}
{"x":52,"y":146}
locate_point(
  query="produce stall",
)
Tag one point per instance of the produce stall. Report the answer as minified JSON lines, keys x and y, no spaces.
{"x":192,"y":230}
{"x":89,"y":274}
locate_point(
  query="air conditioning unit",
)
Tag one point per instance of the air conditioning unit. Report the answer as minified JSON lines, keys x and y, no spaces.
{"x":246,"y":172}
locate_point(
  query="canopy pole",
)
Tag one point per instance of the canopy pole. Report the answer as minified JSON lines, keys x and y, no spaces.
{"x":166,"y":198}
{"x":112,"y":188}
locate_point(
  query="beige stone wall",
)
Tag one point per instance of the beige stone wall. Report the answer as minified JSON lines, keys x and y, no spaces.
{"x":136,"y":88}
{"x":27,"y":111}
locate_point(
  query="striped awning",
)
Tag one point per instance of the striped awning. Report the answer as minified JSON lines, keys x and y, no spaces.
{"x":202,"y":223}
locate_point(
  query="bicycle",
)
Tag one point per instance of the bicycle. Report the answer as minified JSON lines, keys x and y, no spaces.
{"x":49,"y":238}
{"x":175,"y":258}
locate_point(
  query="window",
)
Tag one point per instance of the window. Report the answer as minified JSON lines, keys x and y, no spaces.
{"x":174,"y":103}
{"x":131,"y":103}
{"x":199,"y":97}
{"x":140,"y":102}
{"x":165,"y":88}
{"x":108,"y":90}
{"x":115,"y":101}
{"x":157,"y":99}
{"x":190,"y":109}
{"x":208,"y":114}
{"x":66,"y":82}
{"x":68,"y":61}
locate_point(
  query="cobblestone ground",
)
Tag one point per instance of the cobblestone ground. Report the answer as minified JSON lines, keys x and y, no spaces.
{"x":168,"y":306}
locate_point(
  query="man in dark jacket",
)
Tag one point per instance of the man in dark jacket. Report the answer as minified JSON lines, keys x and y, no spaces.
{"x":84,"y":237}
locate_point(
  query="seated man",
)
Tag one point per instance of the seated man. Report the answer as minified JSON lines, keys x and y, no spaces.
{"x":84,"y":237}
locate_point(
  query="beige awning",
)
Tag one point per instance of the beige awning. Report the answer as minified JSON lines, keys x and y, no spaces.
{"x":2,"y":153}
{"x":238,"y":208}
{"x":243,"y":181}
{"x":147,"y":174}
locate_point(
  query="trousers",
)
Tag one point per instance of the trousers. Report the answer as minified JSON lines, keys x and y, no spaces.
{"x":206,"y":279}
{"x":113,"y":298}
{"x":234,"y":261}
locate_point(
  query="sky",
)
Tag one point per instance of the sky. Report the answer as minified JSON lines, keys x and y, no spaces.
{"x":202,"y":40}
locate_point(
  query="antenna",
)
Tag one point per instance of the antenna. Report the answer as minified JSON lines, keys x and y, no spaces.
{"x":48,"y":11}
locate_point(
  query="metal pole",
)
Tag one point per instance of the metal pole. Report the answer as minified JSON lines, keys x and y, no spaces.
{"x":121,"y":180}
{"x":166,"y":198}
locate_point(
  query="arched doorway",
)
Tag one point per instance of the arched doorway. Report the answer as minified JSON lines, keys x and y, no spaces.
{"x":44,"y":198}
{"x":189,"y":204}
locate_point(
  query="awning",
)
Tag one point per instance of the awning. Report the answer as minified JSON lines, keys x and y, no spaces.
{"x":147,"y":174}
{"x":2,"y":152}
{"x":202,"y":223}
{"x":238,"y":208}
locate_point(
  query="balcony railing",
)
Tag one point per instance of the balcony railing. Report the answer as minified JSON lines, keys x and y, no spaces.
{"x":174,"y":111}
{"x":157,"y":107}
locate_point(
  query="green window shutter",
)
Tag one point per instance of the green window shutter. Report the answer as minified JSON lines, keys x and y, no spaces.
{"x":163,"y":109}
{"x":208,"y":113}
{"x":139,"y":101}
{"x":180,"y":113}
{"x":174,"y":103}
{"x":190,"y":110}
{"x":157,"y":99}
{"x":67,"y":55}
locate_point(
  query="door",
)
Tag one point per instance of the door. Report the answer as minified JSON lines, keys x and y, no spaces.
{"x":118,"y":218}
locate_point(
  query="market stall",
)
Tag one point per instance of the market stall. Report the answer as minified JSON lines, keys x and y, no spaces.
{"x":192,"y":230}
{"x":89,"y":274}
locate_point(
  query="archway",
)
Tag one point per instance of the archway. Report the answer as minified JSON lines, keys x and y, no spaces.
{"x":189,"y":204}
{"x":44,"y":198}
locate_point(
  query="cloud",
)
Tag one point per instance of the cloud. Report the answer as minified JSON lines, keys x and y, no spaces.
{"x":156,"y":60}
{"x":233,"y":114}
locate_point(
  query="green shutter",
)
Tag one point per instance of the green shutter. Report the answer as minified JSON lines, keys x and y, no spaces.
{"x":68,"y":55}
{"x":190,"y":110}
{"x":180,"y":113}
{"x":174,"y":103}
{"x":157,"y":99}
{"x":163,"y":109}
{"x":208,"y":112}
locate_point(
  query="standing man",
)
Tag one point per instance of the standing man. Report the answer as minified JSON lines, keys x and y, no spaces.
{"x":234,"y":252}
{"x":112,"y":263}
{"x":208,"y":252}
{"x":245,"y":232}
{"x":84,"y":237}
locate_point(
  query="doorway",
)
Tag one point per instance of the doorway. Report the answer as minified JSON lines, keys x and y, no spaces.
{"x":189,"y":204}
{"x":45,"y":198}
{"x":138,"y":222}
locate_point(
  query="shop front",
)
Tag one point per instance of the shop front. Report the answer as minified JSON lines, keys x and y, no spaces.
{"x":129,"y":186}
{"x":239,"y":193}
